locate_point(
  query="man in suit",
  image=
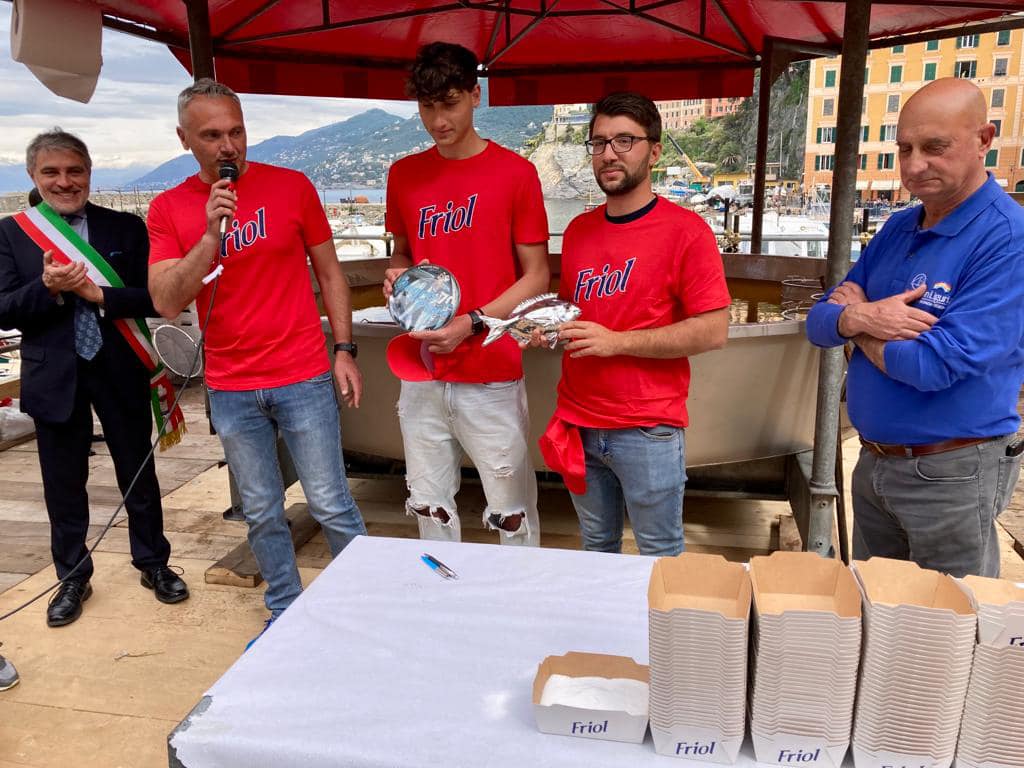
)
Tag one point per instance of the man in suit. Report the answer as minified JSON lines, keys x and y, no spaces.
{"x":75,"y":359}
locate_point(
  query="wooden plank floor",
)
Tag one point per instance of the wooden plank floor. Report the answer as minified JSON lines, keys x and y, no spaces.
{"x":1013,"y":519}
{"x":106,"y":690}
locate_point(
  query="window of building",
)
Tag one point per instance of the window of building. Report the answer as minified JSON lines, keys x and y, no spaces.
{"x":1022,"y":158}
{"x":897,"y":49}
{"x":864,"y":133}
{"x":999,"y":126}
{"x":867,"y":74}
{"x":864,"y":105}
{"x":1003,"y":37}
{"x":968,"y":41}
{"x":826,"y":135}
{"x":896,"y":73}
{"x":998,"y":94}
{"x":863,"y":162}
{"x":965,"y":69}
{"x":824,"y":162}
{"x":992,"y":158}
{"x":999,"y":70}
{"x":929,"y":71}
{"x":892,"y":103}
{"x":830,"y":78}
{"x":887,"y":133}
{"x":886,"y":161}
{"x":931,"y":45}
{"x":828,"y":107}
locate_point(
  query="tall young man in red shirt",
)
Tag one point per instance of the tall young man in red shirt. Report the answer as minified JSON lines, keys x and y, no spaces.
{"x":475,"y":208}
{"x":649,"y":280}
{"x":267,"y":371}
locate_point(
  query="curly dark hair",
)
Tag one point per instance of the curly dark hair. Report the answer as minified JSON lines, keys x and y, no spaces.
{"x":439,"y":69}
{"x":635,"y":106}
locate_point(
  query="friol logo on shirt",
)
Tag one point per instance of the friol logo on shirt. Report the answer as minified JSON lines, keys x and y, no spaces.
{"x":605,"y":283}
{"x":243,"y":235}
{"x":451,"y":218}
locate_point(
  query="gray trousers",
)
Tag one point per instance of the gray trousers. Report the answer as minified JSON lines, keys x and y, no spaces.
{"x":939,"y":511}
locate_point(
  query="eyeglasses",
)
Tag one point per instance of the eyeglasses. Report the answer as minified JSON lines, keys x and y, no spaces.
{"x":620,"y":144}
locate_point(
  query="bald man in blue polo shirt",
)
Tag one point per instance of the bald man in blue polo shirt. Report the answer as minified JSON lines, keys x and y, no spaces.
{"x":935,"y":310}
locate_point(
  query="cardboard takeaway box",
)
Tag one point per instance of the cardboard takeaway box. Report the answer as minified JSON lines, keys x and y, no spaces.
{"x":611,"y":725}
{"x":992,"y":726}
{"x":805,"y":657}
{"x":919,"y":638}
{"x":1000,"y":614}
{"x":699,"y":608}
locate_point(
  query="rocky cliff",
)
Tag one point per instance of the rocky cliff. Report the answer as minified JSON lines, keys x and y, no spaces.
{"x":565,"y":171}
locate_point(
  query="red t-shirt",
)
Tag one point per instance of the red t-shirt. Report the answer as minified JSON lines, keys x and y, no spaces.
{"x":467,"y":216}
{"x":647,"y":272}
{"x":265,"y":327}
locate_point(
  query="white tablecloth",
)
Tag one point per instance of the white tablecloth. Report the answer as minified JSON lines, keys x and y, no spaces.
{"x":381,"y":663}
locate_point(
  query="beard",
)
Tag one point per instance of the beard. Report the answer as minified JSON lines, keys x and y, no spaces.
{"x":630,"y":180}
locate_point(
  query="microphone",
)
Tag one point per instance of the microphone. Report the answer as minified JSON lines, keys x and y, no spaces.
{"x":228,"y":170}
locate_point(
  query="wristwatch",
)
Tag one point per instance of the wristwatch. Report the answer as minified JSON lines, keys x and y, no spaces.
{"x":477,"y":320}
{"x":347,"y":346}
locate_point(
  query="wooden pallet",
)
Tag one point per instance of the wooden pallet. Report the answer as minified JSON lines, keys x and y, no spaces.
{"x":238,"y":567}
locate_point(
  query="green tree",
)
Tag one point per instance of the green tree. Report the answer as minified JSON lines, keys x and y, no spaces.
{"x":730,"y":142}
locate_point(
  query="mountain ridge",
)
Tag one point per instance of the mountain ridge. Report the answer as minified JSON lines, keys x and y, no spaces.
{"x":358,"y":151}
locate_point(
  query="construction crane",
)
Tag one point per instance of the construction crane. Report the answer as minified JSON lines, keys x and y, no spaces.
{"x":697,"y":175}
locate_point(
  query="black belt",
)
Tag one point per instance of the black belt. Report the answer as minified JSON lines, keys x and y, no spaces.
{"x":910,"y":451}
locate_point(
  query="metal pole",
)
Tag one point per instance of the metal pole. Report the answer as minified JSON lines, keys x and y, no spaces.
{"x":199,"y":39}
{"x":830,"y":373}
{"x":761,"y":158}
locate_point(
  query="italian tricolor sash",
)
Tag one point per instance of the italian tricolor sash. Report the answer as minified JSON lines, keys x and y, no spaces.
{"x":50,"y":232}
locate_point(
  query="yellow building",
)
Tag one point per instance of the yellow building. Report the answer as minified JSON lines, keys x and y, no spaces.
{"x":994,"y":61}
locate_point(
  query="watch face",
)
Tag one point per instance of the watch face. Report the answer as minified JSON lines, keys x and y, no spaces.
{"x":424,"y":298}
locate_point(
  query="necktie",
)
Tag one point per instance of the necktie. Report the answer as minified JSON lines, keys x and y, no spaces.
{"x":88,"y":338}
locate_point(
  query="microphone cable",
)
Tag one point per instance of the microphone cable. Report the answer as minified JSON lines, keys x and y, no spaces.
{"x":138,"y":473}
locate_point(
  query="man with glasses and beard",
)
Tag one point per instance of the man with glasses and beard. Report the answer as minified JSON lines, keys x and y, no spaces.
{"x":649,"y":280}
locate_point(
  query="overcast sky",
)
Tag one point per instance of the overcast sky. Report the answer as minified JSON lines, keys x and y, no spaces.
{"x":131,"y":117}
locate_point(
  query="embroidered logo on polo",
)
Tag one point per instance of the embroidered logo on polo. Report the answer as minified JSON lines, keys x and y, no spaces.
{"x":241,"y":236}
{"x":938,"y":295}
{"x":593,"y":284}
{"x":449,"y":217}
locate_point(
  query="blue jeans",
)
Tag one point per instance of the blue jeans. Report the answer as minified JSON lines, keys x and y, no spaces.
{"x":306,"y":415}
{"x":641,"y":471}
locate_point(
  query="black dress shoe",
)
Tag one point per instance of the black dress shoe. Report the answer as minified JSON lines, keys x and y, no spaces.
{"x":165,"y":583}
{"x":66,"y":605}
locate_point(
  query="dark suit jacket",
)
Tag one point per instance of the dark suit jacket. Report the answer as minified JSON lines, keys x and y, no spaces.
{"x":48,"y":360}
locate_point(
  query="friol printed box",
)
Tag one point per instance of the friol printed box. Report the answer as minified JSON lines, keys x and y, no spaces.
{"x":591,"y":695}
{"x":698,"y":613}
{"x":805,"y":651}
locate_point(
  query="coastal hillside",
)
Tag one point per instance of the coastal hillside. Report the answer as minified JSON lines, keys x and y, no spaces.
{"x":358,"y":151}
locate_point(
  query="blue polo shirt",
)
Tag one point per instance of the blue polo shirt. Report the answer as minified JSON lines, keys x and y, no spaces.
{"x":962,"y":377}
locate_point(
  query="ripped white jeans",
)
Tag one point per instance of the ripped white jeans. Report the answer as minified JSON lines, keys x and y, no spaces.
{"x":490,"y":424}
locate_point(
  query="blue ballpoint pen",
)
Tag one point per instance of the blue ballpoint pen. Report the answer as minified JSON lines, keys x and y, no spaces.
{"x":438,"y":567}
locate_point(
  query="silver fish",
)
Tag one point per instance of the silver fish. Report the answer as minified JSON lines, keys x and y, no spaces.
{"x":544,"y":313}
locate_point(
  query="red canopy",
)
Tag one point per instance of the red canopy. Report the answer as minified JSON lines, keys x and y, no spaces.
{"x":534,"y":51}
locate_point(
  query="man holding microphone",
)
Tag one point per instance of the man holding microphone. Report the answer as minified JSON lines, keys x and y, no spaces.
{"x":266,"y":369}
